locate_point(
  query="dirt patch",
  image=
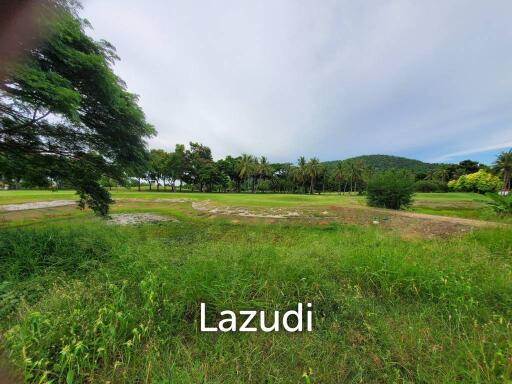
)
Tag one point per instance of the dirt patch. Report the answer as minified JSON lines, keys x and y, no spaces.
{"x":36,"y":205}
{"x":407,"y":224}
{"x":138,"y":200}
{"x":268,"y":213}
{"x":137,"y":218}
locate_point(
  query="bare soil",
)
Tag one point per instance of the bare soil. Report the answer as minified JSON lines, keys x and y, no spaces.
{"x":36,"y":205}
{"x":270,"y":213}
{"x":137,"y":218}
{"x":407,"y":224}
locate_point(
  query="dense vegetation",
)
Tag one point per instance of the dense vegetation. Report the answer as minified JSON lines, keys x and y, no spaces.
{"x":64,"y":115}
{"x":193,"y":168}
{"x":386,"y":162}
{"x":390,"y":189}
{"x":88,"y":302}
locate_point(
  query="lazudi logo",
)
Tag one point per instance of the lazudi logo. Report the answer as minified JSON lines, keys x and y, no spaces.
{"x":291,"y":321}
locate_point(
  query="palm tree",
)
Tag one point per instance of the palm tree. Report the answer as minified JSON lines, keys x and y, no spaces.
{"x":264,"y":169}
{"x":503,"y":165}
{"x":302,"y":172}
{"x":441,"y":174}
{"x":313,"y":168}
{"x":353,"y":173}
{"x":339,"y":172}
{"x":245,"y":167}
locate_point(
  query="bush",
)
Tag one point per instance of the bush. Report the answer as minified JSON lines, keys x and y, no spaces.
{"x":430,"y":186}
{"x":480,"y":182}
{"x":502,"y":205}
{"x":263,"y":186}
{"x":390,"y":189}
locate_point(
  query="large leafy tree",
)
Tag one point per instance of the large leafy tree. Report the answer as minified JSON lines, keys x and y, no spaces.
{"x":159,"y":160}
{"x":228,"y":167}
{"x":64,"y":113}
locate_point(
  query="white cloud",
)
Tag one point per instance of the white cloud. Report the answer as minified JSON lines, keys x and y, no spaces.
{"x":331,"y":79}
{"x":472,"y":151}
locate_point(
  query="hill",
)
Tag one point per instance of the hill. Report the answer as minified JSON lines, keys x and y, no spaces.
{"x":385,"y":162}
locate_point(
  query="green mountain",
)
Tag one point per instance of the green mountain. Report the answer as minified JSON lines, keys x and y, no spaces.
{"x":385,"y":162}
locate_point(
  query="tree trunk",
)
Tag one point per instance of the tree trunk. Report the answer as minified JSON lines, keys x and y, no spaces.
{"x":139,"y":184}
{"x":506,"y":181}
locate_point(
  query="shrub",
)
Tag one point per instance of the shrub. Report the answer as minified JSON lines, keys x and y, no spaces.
{"x":264,"y":186}
{"x":390,"y":189}
{"x":480,"y":182}
{"x":502,"y":205}
{"x":430,"y":186}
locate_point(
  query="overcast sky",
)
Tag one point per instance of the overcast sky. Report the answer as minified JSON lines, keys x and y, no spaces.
{"x":430,"y":80}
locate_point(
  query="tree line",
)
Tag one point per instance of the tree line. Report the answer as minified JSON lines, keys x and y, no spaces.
{"x":193,"y":169}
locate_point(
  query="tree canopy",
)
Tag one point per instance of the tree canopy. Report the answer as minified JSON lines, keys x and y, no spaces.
{"x":64,"y":114}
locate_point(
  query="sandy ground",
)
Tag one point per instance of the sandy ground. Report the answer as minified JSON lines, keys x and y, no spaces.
{"x":137,"y":218}
{"x":36,"y":205}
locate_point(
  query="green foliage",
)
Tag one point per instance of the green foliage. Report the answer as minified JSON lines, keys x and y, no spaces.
{"x":503,"y":166}
{"x":129,"y":312}
{"x":480,"y":182}
{"x":386,"y":162}
{"x":430,"y":186}
{"x":63,"y":107}
{"x":47,"y":250}
{"x":502,"y":205}
{"x":390,"y":189}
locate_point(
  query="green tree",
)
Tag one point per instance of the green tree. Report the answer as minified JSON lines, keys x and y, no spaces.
{"x":197,"y":157}
{"x":264,"y":171}
{"x":301,"y":173}
{"x":480,"y":182}
{"x":246,"y":167}
{"x":339,"y":173}
{"x":314,"y":168}
{"x":354,"y":173}
{"x":159,"y":160}
{"x":178,"y":164}
{"x":390,"y":189}
{"x":469,"y":166}
{"x":503,"y":165}
{"x":228,"y":167}
{"x":63,"y":111}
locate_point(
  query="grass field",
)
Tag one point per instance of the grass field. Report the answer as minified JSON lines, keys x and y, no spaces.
{"x":85,"y":301}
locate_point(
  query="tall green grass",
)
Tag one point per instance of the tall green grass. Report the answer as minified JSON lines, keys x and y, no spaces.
{"x":88,"y":302}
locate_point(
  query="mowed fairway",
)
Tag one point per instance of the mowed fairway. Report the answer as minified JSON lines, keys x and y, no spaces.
{"x":409,"y":299}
